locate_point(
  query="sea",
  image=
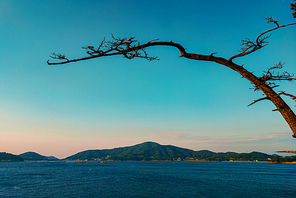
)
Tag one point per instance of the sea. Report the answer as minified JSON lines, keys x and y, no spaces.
{"x":146,"y":179}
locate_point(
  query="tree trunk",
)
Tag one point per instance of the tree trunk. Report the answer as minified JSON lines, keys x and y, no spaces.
{"x":275,"y":98}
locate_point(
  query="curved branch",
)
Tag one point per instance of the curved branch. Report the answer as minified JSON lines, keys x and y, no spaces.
{"x":259,"y":43}
{"x":260,"y":99}
{"x":81,"y":59}
{"x":286,"y":94}
{"x":129,"y":48}
{"x":115,"y":48}
{"x":257,"y":39}
{"x":125,"y":52}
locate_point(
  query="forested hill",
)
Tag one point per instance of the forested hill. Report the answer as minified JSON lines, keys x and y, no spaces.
{"x":154,"y":151}
{"x":144,"y":151}
{"x":8,"y":157}
{"x":35,"y":156}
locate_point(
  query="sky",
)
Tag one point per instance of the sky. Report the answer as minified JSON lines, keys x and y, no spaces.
{"x":113,"y":102}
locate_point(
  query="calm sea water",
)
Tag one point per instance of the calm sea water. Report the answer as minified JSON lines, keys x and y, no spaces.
{"x":147,"y":179}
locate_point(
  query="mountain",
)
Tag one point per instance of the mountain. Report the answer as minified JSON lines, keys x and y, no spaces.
{"x":144,"y":151}
{"x":154,"y":151}
{"x":7,"y":157}
{"x":36,"y":157}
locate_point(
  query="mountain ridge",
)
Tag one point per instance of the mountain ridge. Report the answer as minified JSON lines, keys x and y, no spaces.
{"x":148,"y":151}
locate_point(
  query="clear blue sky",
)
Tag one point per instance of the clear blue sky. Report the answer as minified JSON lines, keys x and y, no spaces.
{"x":112,"y":102}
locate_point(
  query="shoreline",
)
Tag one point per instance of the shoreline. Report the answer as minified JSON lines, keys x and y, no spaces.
{"x":96,"y":161}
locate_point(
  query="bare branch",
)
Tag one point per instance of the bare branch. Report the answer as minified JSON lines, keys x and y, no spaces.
{"x":128,"y":47}
{"x":260,"y":99}
{"x":246,"y":45}
{"x":213,"y":53}
{"x":286,"y":94}
{"x":249,"y":46}
{"x":270,"y":75}
{"x":270,"y":20}
{"x":58,"y":56}
{"x":152,"y":40}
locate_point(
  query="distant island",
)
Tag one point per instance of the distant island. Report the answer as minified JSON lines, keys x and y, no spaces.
{"x":151,"y":151}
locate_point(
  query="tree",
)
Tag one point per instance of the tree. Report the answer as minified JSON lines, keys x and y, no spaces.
{"x":130,"y":48}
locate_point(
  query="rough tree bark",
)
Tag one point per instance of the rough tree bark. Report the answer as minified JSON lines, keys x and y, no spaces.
{"x":131,"y":48}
